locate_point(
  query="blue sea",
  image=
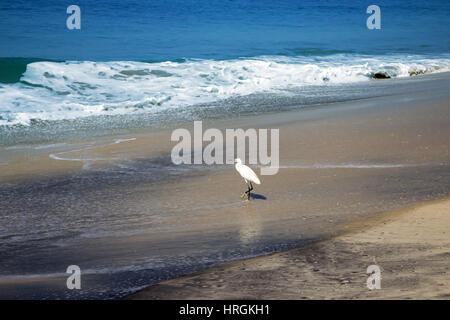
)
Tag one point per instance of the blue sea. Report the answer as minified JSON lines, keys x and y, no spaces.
{"x":155,"y":57}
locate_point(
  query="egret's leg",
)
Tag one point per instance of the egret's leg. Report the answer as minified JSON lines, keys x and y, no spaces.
{"x":246,"y":192}
{"x":250,"y":188}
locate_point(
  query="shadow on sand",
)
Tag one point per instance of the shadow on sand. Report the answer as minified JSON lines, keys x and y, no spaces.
{"x":257,"y":196}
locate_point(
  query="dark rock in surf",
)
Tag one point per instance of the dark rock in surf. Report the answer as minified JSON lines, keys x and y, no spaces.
{"x":380,"y":75}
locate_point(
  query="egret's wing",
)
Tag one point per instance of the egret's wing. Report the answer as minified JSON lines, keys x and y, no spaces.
{"x":249,"y":174}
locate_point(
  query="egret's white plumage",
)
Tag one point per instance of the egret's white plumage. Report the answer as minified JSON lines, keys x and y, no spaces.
{"x":248,"y":174}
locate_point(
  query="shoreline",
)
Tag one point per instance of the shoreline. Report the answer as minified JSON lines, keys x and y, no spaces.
{"x":413,"y":261}
{"x":100,"y":127}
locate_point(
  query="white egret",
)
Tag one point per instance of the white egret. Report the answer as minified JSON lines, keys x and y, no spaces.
{"x":249,"y":176}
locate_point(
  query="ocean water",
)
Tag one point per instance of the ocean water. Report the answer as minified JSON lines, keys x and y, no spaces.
{"x":140,"y":57}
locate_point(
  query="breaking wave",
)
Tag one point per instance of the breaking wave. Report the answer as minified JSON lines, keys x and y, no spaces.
{"x":74,"y":89}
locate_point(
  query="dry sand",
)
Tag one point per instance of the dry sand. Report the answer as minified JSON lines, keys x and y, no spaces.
{"x":411,"y":246}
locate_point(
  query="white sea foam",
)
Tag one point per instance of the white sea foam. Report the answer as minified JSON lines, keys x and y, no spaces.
{"x":69,"y":90}
{"x":86,"y":160}
{"x":123,"y":140}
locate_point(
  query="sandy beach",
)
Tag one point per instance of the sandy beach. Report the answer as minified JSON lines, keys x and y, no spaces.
{"x":121,"y":210}
{"x":411,"y":246}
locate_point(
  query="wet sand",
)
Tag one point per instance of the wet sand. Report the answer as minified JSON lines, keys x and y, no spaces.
{"x":411,"y":247}
{"x":123,"y":212}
